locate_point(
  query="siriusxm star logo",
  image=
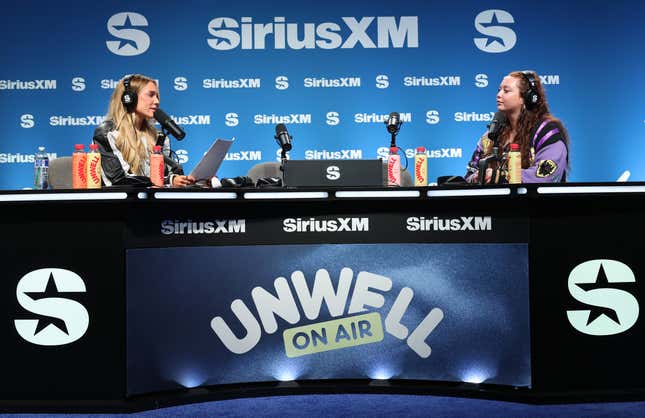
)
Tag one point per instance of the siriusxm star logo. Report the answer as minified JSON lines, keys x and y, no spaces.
{"x":54,"y":318}
{"x":499,"y":37}
{"x":132,"y":41}
{"x":603,"y":287}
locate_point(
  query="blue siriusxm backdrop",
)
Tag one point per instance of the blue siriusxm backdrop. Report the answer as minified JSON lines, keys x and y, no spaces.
{"x":329,"y":71}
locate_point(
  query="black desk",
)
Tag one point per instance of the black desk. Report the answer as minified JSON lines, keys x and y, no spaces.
{"x":89,"y":233}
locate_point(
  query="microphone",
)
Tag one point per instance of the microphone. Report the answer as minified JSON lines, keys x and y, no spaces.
{"x":499,"y":120}
{"x":394,"y":122}
{"x":167,"y":123}
{"x":282,"y":137}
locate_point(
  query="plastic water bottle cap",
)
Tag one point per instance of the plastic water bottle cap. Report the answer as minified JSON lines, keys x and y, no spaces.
{"x":79,"y":147}
{"x":393,"y":150}
{"x":94,"y":147}
{"x":515,"y":147}
{"x":421,"y":149}
{"x":157,"y":148}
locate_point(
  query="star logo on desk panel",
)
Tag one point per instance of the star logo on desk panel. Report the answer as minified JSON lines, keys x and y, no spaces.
{"x":493,"y":24}
{"x":55,"y":317}
{"x":606,"y":289}
{"x":132,"y":41}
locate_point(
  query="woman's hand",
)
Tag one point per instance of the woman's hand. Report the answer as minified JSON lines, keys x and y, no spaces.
{"x":182,"y":181}
{"x":475,"y":177}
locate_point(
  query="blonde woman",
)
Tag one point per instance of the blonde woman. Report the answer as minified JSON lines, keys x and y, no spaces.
{"x":127,"y":137}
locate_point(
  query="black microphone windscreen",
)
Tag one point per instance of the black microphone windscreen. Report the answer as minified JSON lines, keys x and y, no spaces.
{"x":166,"y":122}
{"x":279,"y":128}
{"x":500,"y":117}
{"x":499,"y":120}
{"x":161,"y":116}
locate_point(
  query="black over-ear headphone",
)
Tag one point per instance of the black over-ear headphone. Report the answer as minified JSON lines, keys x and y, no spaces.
{"x":531,"y":96}
{"x":129,"y":97}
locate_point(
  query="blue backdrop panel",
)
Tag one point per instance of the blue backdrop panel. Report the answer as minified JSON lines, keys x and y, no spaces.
{"x":171,"y":343}
{"x":329,"y":70}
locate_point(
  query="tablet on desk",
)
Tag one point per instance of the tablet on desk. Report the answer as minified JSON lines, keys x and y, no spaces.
{"x":209,"y":164}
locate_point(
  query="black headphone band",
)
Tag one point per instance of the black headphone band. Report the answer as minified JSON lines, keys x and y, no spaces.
{"x":126,"y":82}
{"x":129,"y":97}
{"x":531,"y":96}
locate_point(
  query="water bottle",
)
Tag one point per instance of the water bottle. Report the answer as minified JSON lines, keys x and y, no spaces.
{"x":420,"y":167}
{"x":41,"y":167}
{"x":515,"y":165}
{"x":79,"y":167}
{"x":94,"y":167}
{"x":393,"y":168}
{"x":156,"y":166}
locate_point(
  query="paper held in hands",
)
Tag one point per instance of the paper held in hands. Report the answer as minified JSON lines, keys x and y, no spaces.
{"x":210,"y":162}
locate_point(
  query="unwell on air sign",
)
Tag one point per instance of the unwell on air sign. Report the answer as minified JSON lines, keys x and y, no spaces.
{"x":333,"y":335}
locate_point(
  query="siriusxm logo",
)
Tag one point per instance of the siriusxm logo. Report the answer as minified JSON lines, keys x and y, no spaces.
{"x":499,"y":38}
{"x":75,"y":121}
{"x":379,"y":118}
{"x":481,"y":80}
{"x":332,"y":172}
{"x":132,"y":41}
{"x":17,"y":158}
{"x":244,"y":156}
{"x":182,"y":156}
{"x":27,"y":121}
{"x":448,"y":80}
{"x":345,"y":154}
{"x":550,"y":79}
{"x":474,"y":117}
{"x":600,"y":285}
{"x":464,"y":223}
{"x":217,"y":226}
{"x":231,"y":119}
{"x":332,"y":118}
{"x":240,"y":83}
{"x":108,"y":84}
{"x":180,"y":83}
{"x":274,"y":119}
{"x":382,"y":81}
{"x":228,"y":34}
{"x":383,"y":152}
{"x":343,"y":82}
{"x":56,"y":318}
{"x":326,"y":225}
{"x":78,"y":84}
{"x":192,"y":119}
{"x":282,"y":82}
{"x":432,"y":117}
{"x":27,"y":84}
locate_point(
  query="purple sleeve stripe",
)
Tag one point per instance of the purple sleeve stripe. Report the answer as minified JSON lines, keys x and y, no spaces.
{"x":547,"y":136}
{"x":539,"y":130}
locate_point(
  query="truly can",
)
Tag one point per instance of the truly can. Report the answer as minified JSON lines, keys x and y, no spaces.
{"x":421,"y":167}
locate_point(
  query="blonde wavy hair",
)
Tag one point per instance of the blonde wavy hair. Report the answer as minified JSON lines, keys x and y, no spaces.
{"x":132,"y":149}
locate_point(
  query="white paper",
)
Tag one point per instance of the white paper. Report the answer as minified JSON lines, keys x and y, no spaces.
{"x":210,"y":162}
